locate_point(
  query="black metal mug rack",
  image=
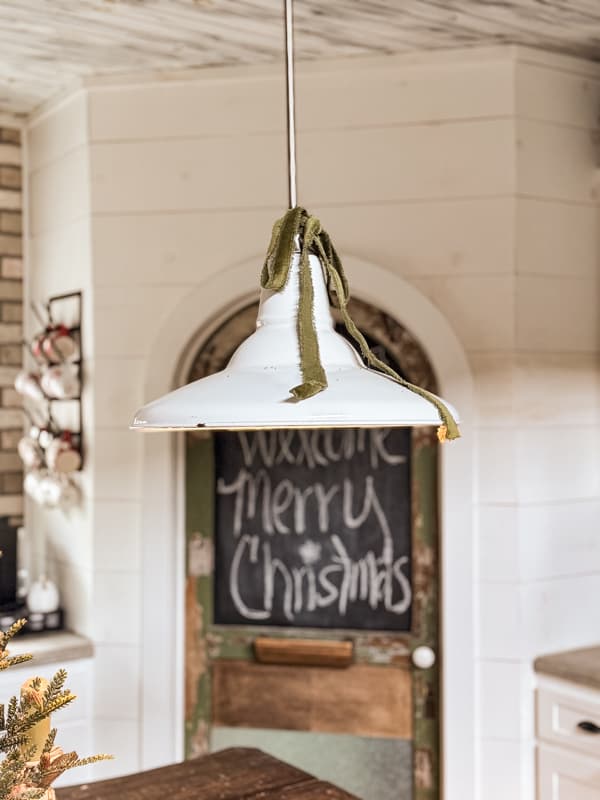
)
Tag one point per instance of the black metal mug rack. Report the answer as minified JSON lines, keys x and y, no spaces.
{"x":64,"y":414}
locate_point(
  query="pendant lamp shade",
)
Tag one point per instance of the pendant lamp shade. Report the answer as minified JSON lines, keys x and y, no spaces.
{"x":295,"y":370}
{"x":253,"y":391}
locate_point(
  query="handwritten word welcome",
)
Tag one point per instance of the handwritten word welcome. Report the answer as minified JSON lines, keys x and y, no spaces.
{"x":316,"y":447}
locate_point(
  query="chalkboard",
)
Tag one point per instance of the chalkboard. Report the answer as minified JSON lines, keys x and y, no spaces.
{"x":313,"y":528}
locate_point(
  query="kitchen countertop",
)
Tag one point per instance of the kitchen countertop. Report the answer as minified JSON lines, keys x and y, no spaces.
{"x":52,"y":647}
{"x":577,"y":666}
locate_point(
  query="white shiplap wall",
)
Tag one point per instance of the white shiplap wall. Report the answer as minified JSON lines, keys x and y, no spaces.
{"x":58,"y":258}
{"x":540,"y":563}
{"x":471,"y":175}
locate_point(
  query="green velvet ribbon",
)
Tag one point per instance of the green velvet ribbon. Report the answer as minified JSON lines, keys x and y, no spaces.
{"x":297,"y":224}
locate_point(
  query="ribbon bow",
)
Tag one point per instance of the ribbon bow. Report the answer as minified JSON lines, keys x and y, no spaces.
{"x":298,"y":224}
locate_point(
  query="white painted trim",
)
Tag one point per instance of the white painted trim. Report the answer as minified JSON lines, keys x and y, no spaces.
{"x":271,"y":71}
{"x":9,"y":120}
{"x":54,"y":104}
{"x":561,"y":62}
{"x":162,"y":656}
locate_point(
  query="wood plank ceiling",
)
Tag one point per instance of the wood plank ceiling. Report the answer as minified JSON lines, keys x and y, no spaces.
{"x":46,"y":44}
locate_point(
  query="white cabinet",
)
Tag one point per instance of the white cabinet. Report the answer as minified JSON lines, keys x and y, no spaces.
{"x":568,"y":732}
{"x":563,"y":775}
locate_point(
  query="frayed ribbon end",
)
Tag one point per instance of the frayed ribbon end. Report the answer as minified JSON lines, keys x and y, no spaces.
{"x":446,"y":433}
{"x":307,"y":389}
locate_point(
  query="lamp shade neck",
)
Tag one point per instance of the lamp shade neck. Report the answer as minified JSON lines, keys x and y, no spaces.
{"x":275,"y":341}
{"x":281,"y":308}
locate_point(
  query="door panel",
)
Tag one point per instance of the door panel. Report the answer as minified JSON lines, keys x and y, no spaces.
{"x":363,"y":700}
{"x":367,"y":767}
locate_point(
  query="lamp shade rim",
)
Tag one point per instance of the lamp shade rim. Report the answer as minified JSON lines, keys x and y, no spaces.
{"x":244,"y":400}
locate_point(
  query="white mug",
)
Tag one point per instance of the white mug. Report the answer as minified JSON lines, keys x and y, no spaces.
{"x":45,"y":438}
{"x":61,"y":381}
{"x":37,"y":345}
{"x":58,"y":344}
{"x":28,"y":385}
{"x":43,"y":596}
{"x":30,"y":452}
{"x":50,"y":490}
{"x":56,"y":491}
{"x":61,"y":456}
{"x":32,"y":484}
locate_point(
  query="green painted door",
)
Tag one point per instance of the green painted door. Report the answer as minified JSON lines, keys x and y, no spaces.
{"x":372,"y":727}
{"x":390,"y":750}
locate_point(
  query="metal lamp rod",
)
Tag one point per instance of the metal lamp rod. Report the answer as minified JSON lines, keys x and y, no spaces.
{"x":291,"y":99}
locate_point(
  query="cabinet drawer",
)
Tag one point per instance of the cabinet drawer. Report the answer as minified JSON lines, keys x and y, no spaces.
{"x":564,"y":775}
{"x":559,"y":715}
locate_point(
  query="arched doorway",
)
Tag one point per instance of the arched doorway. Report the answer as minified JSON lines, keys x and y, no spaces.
{"x":393,"y":738}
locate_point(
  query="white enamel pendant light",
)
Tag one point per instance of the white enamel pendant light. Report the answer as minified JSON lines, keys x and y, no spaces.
{"x":253,"y":391}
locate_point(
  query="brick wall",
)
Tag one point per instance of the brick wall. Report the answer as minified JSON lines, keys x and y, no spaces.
{"x":11,"y":313}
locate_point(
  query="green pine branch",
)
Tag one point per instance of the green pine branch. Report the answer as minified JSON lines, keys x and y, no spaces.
{"x":22,"y":766}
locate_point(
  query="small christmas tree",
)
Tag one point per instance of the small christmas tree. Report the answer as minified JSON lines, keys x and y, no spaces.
{"x":32,"y":761}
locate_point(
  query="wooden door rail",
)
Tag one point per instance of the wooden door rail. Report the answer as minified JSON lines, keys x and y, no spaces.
{"x":304,"y":652}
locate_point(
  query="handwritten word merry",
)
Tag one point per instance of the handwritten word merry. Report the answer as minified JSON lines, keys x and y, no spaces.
{"x":255,"y":496}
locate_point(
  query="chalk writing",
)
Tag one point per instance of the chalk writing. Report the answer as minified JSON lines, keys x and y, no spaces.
{"x":313,"y":528}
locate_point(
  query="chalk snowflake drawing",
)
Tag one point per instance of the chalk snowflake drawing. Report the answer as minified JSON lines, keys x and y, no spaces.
{"x":310,"y":552}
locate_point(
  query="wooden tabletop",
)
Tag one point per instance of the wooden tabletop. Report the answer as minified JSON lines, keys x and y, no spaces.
{"x":235,"y":774}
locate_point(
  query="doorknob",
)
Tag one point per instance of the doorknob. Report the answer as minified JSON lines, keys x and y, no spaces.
{"x":423,"y":657}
